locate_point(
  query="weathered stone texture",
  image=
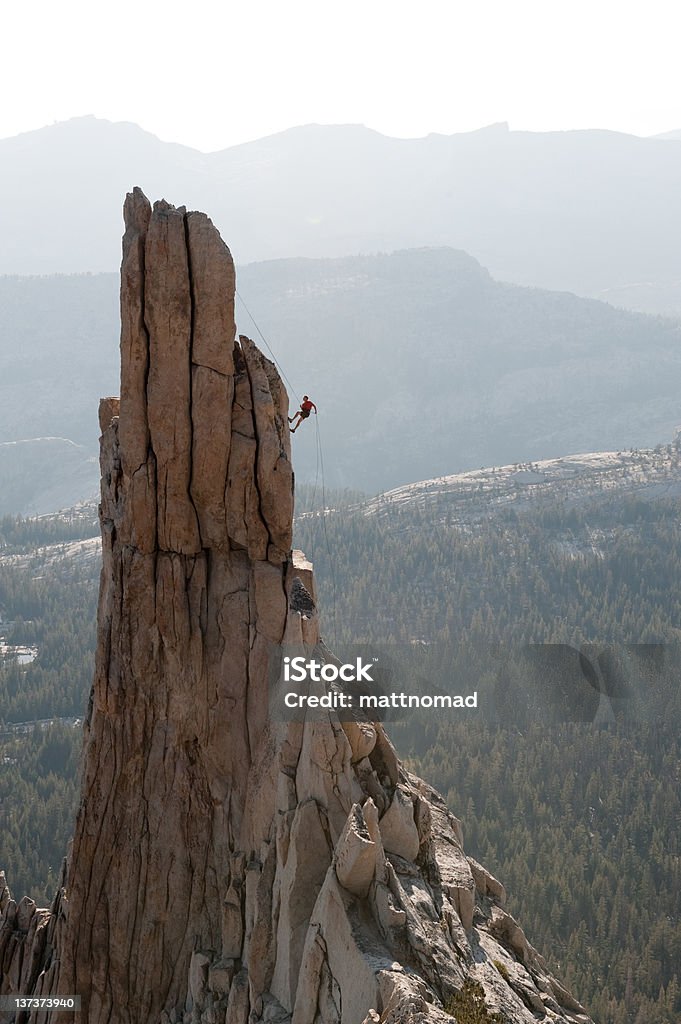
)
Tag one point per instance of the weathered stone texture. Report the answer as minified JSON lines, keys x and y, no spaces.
{"x":226,"y":867}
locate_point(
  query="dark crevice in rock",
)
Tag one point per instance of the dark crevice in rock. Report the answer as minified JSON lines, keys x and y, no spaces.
{"x":190,"y":360}
{"x":300,"y":598}
{"x":256,"y":461}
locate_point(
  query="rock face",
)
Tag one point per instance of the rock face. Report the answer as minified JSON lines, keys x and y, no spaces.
{"x":226,"y":868}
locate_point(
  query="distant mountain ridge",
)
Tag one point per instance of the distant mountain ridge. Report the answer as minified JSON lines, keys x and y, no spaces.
{"x":43,"y":474}
{"x":574,"y":480}
{"x":420,"y":363}
{"x":674,"y":136}
{"x":594,"y":212}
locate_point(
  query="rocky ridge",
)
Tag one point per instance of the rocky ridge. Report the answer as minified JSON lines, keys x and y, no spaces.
{"x":227,"y":867}
{"x":581,"y":479}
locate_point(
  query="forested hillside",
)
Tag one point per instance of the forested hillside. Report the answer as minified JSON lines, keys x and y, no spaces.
{"x":48,"y":601}
{"x":581,"y":821}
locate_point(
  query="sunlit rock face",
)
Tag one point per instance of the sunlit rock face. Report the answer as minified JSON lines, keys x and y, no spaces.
{"x":227,"y":868}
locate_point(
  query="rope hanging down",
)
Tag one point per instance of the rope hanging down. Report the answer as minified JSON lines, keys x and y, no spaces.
{"x":269,"y":349}
{"x":332,"y":566}
{"x":320,"y":460}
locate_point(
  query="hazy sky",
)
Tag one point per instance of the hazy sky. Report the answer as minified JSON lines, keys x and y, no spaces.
{"x":212,"y":74}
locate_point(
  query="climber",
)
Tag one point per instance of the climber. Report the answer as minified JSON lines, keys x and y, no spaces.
{"x":306,"y":407}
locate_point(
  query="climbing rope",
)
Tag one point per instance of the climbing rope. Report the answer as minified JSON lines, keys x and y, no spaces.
{"x":319,"y":468}
{"x":316,"y":474}
{"x":320,"y":455}
{"x":267,"y":344}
